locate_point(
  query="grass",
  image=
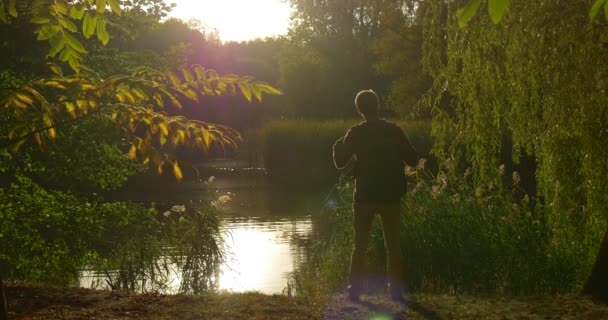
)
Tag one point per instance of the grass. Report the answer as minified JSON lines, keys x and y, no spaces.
{"x":458,"y":238}
{"x":27,"y":301}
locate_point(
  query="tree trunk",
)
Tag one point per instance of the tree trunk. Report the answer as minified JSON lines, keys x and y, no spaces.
{"x":3,"y":308}
{"x":597,"y":283}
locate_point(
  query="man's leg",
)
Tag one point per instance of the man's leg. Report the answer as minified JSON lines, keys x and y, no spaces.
{"x":391,"y":222}
{"x":363,"y":216}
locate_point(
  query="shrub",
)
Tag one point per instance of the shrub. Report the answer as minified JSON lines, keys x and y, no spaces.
{"x":457,"y":237}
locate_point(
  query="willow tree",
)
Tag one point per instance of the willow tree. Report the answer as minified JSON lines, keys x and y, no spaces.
{"x":538,"y":78}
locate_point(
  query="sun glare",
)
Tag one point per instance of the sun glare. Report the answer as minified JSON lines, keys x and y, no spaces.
{"x":236,"y":20}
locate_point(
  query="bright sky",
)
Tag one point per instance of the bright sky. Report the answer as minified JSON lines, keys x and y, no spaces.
{"x":237,"y":20}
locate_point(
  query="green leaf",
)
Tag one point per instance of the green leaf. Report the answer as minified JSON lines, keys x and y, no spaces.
{"x":68,"y":53}
{"x":595,"y":9}
{"x":40,"y":20}
{"x":101,"y":6}
{"x":12,"y":8}
{"x":57,"y":44}
{"x":48,"y":31}
{"x":74,"y":43}
{"x":89,"y":24}
{"x":74,"y":63}
{"x":56,"y":69}
{"x":61,"y":6}
{"x":102,"y":31}
{"x":606,"y":9}
{"x":115,"y":6}
{"x":77,"y":11}
{"x":66,"y":23}
{"x":497,"y":9}
{"x":3,"y":16}
{"x":466,"y":13}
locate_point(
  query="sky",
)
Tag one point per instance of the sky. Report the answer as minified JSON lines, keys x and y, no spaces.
{"x":236,"y":20}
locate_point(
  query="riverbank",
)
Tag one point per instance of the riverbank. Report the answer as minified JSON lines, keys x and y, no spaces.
{"x":28,"y":301}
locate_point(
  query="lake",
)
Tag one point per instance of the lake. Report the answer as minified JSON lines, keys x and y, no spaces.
{"x":268,"y":229}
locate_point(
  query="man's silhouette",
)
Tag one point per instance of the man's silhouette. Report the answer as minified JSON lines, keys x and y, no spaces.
{"x":380,"y":150}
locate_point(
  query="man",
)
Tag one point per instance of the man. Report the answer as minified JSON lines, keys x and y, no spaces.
{"x":380,"y":149}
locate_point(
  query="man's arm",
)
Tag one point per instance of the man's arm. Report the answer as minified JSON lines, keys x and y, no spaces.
{"x":343,"y":150}
{"x":408,"y":152}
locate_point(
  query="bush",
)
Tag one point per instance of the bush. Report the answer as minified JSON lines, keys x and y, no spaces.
{"x":50,"y":236}
{"x":457,"y":237}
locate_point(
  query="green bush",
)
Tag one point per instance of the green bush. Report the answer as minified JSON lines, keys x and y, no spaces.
{"x":50,"y":236}
{"x":297,"y":153}
{"x":460,"y":238}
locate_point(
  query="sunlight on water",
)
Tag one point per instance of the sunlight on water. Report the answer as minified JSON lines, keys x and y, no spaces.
{"x":260,"y":255}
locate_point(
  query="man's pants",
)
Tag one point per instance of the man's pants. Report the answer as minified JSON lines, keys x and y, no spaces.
{"x":363,"y":218}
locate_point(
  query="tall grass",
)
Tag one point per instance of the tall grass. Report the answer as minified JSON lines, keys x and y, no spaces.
{"x":297,"y":153}
{"x":457,"y":238}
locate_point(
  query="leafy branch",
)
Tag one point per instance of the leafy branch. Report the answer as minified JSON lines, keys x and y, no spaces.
{"x":498,"y":8}
{"x":135,"y":103}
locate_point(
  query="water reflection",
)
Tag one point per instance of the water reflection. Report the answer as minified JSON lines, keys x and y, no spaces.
{"x":268,"y":229}
{"x":261,"y":253}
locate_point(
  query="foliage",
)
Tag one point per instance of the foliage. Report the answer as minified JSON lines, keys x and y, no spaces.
{"x":134,"y":248}
{"x":497,"y":8}
{"x":58,"y":19}
{"x":327,"y":59}
{"x":38,"y":240}
{"x":147,"y":252}
{"x":99,"y":163}
{"x":196,"y":237}
{"x":461,"y":238}
{"x":537,"y":84}
{"x":132,"y":103}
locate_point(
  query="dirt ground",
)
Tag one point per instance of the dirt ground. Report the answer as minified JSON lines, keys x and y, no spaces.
{"x":26,"y":301}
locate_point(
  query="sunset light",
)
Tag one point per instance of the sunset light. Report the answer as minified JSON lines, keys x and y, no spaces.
{"x":236,"y":20}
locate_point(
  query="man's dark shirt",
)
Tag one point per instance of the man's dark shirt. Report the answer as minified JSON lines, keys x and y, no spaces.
{"x":380,"y":149}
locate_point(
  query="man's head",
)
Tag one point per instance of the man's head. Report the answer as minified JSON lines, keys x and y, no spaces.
{"x":367,"y":103}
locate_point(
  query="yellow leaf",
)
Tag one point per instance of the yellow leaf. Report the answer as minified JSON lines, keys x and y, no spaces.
{"x":177,"y":172}
{"x":25,"y":98}
{"x":163,"y":129}
{"x":46,"y":120}
{"x":70,"y":107}
{"x":88,"y":86}
{"x":133,"y":152}
{"x":52,"y":133}
{"x":38,"y":139}
{"x":82,"y":104}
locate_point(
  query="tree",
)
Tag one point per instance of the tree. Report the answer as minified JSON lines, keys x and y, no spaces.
{"x":535,"y":79}
{"x":139,"y":105}
{"x":397,"y":53}
{"x":328,"y":46}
